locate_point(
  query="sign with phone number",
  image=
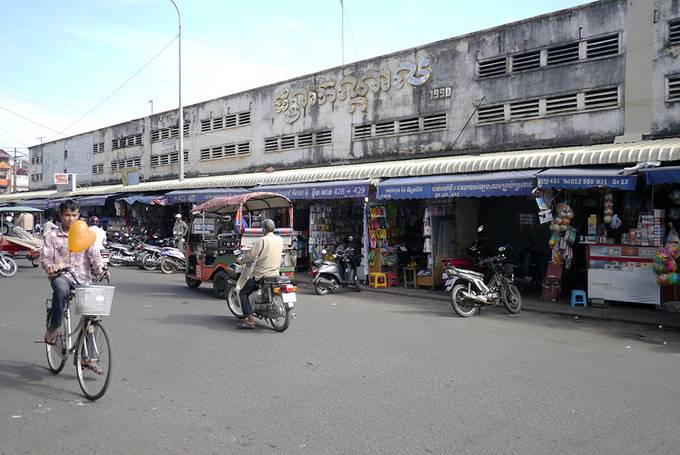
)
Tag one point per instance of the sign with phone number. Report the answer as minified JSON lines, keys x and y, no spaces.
{"x":572,"y":182}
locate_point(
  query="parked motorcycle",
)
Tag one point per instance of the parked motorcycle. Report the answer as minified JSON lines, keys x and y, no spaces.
{"x":471,"y":290}
{"x":172,"y":259}
{"x":273,"y":301}
{"x":8,"y":267}
{"x":329,"y":276}
{"x":121,"y":254}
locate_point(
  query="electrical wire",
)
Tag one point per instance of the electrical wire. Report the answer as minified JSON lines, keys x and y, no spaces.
{"x":29,"y":120}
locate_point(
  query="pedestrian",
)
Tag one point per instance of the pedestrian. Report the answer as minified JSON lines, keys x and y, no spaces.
{"x":48,"y":226}
{"x":179,"y":231}
{"x":93,"y":222}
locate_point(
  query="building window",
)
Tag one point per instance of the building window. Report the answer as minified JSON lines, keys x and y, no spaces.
{"x":98,"y":168}
{"x":98,"y":148}
{"x":525,"y":61}
{"x":674,"y":32}
{"x":227,"y":121}
{"x":413,"y":125}
{"x":65,"y":154}
{"x":36,"y":177}
{"x":218,"y":152}
{"x":307,"y":139}
{"x":127,"y":141}
{"x":673,"y":90}
{"x":119,"y":165}
{"x":168,"y":133}
{"x":167,"y":159}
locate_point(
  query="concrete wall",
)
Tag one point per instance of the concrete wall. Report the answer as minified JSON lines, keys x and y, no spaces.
{"x":665,"y":116}
{"x":403,"y":86}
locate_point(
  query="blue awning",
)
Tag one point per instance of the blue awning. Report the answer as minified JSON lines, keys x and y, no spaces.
{"x":341,"y":189}
{"x":576,"y":178}
{"x":662,"y":175}
{"x":92,"y":201}
{"x":150,"y":200}
{"x":36,"y":203}
{"x":509,"y":183}
{"x":201,"y":195}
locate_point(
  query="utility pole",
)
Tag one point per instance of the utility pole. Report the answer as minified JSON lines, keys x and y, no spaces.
{"x":342,"y":30}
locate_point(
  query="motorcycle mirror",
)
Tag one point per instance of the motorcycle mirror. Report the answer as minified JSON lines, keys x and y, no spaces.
{"x":350,"y":238}
{"x":501,"y":249}
{"x":324,"y":251}
{"x":480,"y":228}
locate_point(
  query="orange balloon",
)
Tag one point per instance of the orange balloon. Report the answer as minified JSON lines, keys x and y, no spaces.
{"x":80,"y":237}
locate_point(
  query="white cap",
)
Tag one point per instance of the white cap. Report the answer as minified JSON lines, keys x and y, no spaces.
{"x":178,"y":216}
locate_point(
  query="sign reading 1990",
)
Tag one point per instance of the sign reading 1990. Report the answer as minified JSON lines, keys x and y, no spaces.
{"x":442,"y":92}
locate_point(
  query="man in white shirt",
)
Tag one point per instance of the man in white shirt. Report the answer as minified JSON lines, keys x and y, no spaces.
{"x":93,"y":222}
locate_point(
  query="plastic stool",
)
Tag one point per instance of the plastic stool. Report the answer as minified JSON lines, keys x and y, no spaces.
{"x":377,"y":280}
{"x":578,"y":298}
{"x":392,"y":279}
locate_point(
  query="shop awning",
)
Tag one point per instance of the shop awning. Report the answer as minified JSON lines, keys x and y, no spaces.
{"x":37,"y":203}
{"x":149,"y":200}
{"x":509,"y":183}
{"x":201,"y":195}
{"x":573,"y":179}
{"x":342,"y":189}
{"x":662,"y":175}
{"x":92,"y":201}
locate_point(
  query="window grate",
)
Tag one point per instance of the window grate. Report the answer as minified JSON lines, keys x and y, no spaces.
{"x":324,"y":137}
{"x":492,"y":67}
{"x":205,"y":154}
{"x":216,"y":153}
{"x":218,"y":123}
{"x":305,"y":140}
{"x":384,"y":128}
{"x":490,"y":114}
{"x":410,"y":125}
{"x":362,"y":131}
{"x":98,"y":169}
{"x":526,"y":61}
{"x":603,"y":46}
{"x":173,"y":158}
{"x":561,"y":104}
{"x":524,"y":109}
{"x":155,"y":136}
{"x":243,"y":149}
{"x":230,"y":121}
{"x":434,"y":122}
{"x":154,"y":161}
{"x":230,"y":150}
{"x":674,"y":32}
{"x":98,"y":148}
{"x":601,"y":98}
{"x":563,"y":54}
{"x":271,"y":144}
{"x":244,"y":118}
{"x":287,"y":142}
{"x":164,"y":160}
{"x":205,"y":125}
{"x":674,"y":88}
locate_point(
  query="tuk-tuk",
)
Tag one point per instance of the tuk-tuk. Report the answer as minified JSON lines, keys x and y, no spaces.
{"x":16,"y":241}
{"x":224,"y":227}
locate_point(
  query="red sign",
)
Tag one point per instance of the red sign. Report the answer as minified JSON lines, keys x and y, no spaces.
{"x":61,"y":179}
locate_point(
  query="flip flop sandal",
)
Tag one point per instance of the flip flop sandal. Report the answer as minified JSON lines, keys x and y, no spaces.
{"x":96,"y":369}
{"x":51,"y":342}
{"x":245,"y":325}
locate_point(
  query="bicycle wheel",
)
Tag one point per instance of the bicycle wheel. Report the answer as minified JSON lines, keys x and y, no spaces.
{"x":91,"y":356}
{"x":57,"y":353}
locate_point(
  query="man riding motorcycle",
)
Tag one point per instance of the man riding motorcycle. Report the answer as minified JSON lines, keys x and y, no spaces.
{"x":265,"y":258}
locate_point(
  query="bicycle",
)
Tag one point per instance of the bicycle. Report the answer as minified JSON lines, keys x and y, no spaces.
{"x":91,"y":349}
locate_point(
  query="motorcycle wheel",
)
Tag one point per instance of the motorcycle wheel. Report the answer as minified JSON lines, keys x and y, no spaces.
{"x":462,"y":306}
{"x":512,"y":299}
{"x":193,"y":284}
{"x":324,"y":289}
{"x":139,"y":260}
{"x":150,"y":262}
{"x":357,"y":286}
{"x":221,"y":284}
{"x":234,"y":303}
{"x":281,"y":323}
{"x":115,"y":260}
{"x":167,"y":266}
{"x":7,"y":267}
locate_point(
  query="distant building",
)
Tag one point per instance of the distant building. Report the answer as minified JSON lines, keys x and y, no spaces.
{"x":5,"y":172}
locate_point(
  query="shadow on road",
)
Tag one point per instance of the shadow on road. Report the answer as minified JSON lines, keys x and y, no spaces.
{"x":30,"y":378}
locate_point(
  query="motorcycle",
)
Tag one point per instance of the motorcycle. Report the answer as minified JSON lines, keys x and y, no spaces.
{"x":333,"y":275}
{"x":172,"y":259}
{"x":121,"y":254}
{"x":8,"y":267}
{"x":471,"y":290}
{"x":273,"y":301}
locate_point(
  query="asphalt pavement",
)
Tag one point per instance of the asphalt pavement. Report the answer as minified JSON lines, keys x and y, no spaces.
{"x":355,"y":373}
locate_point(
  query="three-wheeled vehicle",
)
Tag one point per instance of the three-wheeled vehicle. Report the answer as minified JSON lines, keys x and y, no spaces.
{"x":225,"y":227}
{"x":14,"y":240}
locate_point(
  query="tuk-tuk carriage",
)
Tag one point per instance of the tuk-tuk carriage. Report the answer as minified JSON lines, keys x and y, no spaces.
{"x":224,"y":227}
{"x":16,"y":241}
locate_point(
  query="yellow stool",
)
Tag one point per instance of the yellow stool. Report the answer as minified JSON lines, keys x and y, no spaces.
{"x":377,"y":280}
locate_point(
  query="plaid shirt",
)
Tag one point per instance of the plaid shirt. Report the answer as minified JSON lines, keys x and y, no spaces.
{"x":55,"y":252}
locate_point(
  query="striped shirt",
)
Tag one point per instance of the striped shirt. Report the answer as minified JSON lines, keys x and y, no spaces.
{"x":55,"y":252}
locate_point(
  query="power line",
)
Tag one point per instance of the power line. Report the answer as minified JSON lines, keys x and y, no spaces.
{"x":117,"y":89}
{"x":29,"y":120}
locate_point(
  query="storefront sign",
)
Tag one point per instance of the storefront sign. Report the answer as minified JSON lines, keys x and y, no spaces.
{"x":618,"y":182}
{"x":203,"y":226}
{"x":510,"y":187}
{"x":320,"y":191}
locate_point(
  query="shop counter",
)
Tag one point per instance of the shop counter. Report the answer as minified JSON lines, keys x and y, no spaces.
{"x":623,"y":273}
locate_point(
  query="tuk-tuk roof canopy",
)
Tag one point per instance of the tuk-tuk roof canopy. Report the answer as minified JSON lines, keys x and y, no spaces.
{"x":251,"y":201}
{"x":19,"y":209}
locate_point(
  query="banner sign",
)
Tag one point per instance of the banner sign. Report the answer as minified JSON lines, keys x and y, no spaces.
{"x":586,"y":178}
{"x":320,"y":191}
{"x":481,"y":188}
{"x":61,"y":179}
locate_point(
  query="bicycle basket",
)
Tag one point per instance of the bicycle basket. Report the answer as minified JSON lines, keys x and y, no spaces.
{"x":94,"y":300}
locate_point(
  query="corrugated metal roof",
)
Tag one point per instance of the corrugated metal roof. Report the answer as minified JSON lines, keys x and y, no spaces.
{"x":657,"y":150}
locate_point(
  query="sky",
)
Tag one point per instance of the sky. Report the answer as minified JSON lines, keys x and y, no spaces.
{"x":60,"y":59}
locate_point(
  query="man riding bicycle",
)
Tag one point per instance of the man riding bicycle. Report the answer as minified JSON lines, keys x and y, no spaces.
{"x":55,"y":256}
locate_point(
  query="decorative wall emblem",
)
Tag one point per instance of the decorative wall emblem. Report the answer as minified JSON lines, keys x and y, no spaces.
{"x":352,"y":89}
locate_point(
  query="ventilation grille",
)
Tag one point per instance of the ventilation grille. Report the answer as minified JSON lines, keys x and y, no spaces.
{"x":324,"y":137}
{"x":244,"y":118}
{"x":119,"y":165}
{"x":490,"y":68}
{"x":128,"y":141}
{"x":287,"y":142}
{"x":603,"y":46}
{"x":434,"y":122}
{"x":230,"y":121}
{"x":271,"y":144}
{"x":205,"y":125}
{"x":674,"y":88}
{"x":218,"y":123}
{"x":601,"y":98}
{"x":98,"y":148}
{"x":384,"y":128}
{"x":411,"y":125}
{"x":561,"y":104}
{"x":219,"y":152}
{"x":674,"y":32}
{"x":98,"y":169}
{"x":526,"y":61}
{"x":524,"y":109}
{"x":168,"y":159}
{"x":305,"y":140}
{"x":362,"y":131}
{"x":563,"y":54}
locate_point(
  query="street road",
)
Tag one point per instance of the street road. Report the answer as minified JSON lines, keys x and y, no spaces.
{"x":355,"y":373}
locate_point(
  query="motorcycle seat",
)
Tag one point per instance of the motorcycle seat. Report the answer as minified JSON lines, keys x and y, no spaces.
{"x":273,"y":280}
{"x":469,"y":272}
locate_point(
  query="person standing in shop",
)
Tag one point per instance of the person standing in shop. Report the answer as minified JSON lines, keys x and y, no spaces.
{"x":179,"y":231}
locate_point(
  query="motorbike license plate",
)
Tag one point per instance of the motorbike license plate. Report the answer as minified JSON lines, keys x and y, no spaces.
{"x":289,"y":298}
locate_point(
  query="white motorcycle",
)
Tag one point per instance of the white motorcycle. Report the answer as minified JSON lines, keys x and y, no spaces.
{"x":7,"y":265}
{"x":172,"y":260}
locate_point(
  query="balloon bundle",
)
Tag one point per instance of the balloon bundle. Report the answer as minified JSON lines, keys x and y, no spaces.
{"x":563,"y":236}
{"x":665,"y":265}
{"x":563,"y":219}
{"x":608,"y":207}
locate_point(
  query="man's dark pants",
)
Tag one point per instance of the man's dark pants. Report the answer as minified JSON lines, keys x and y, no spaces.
{"x":61,"y":286}
{"x":246,"y":290}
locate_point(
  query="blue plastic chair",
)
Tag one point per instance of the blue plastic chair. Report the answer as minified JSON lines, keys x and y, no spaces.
{"x":579,"y":298}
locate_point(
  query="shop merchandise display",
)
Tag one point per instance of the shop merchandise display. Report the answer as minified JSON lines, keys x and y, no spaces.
{"x":650,"y":231}
{"x":665,"y":261}
{"x":427,"y":242}
{"x":563,"y":236}
{"x":389,"y":227}
{"x":331,"y":224}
